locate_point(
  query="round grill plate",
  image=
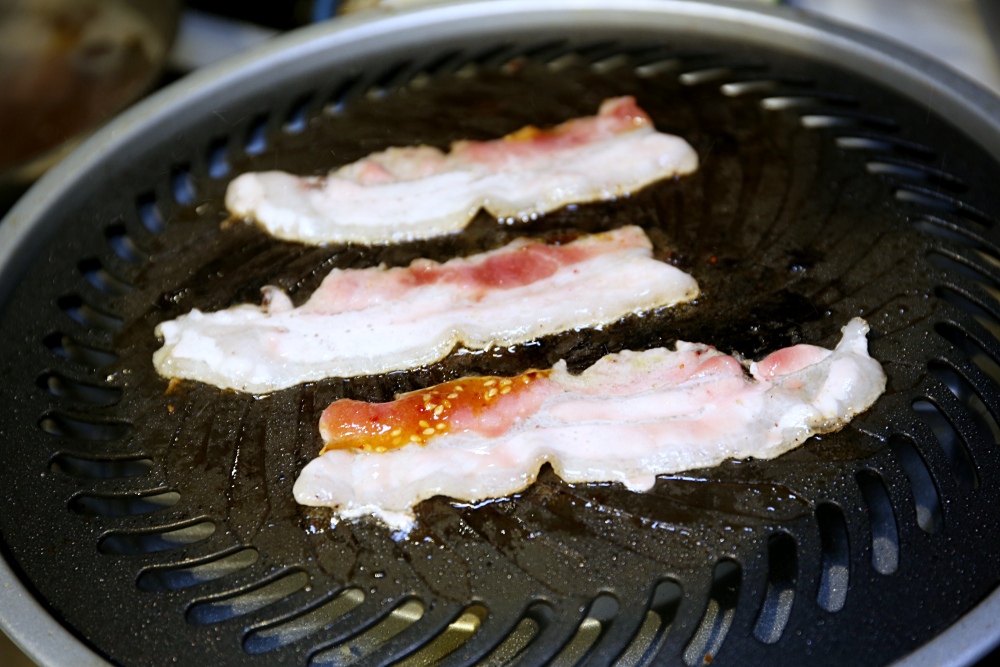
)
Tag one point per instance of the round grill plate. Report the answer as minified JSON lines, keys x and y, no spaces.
{"x":157,"y":523}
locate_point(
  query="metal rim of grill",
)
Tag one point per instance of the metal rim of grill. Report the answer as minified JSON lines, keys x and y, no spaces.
{"x":25,"y":233}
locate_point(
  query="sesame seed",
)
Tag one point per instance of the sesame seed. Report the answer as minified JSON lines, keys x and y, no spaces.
{"x":447,"y":404}
{"x":414,"y":438}
{"x":453,"y":395}
{"x":423,"y":423}
{"x":459,"y":387}
{"x":505,"y":390}
{"x":505,"y":382}
{"x":397,"y":431}
{"x":438,"y":410}
{"x":441,"y":426}
{"x":428,"y":431}
{"x":492,"y":392}
{"x":489,"y":383}
{"x":380,"y":449}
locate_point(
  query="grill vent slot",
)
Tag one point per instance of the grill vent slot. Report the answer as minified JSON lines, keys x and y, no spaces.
{"x":165,"y":538}
{"x":298,"y":116}
{"x":718,"y":616}
{"x":83,"y":428}
{"x":882,"y":519}
{"x":842,"y":118}
{"x":517,"y":640}
{"x":63,"y":387}
{"x":124,"y":245}
{"x":968,"y":395}
{"x":907,"y":170}
{"x":97,"y":468}
{"x":872,"y":142}
{"x":566,"y":61}
{"x":182,"y":185}
{"x":913,"y":194}
{"x":194,"y":573}
{"x":393,"y":77}
{"x":982,"y":314}
{"x":951,"y":442}
{"x":659,"y":67}
{"x":453,"y":637}
{"x":217,"y":157}
{"x":703,"y":76}
{"x":316,"y":617}
{"x":102,"y":279}
{"x":123,"y":504}
{"x":448,"y":61}
{"x":611,"y":63}
{"x":950,"y":232}
{"x":602,"y":611}
{"x":255,"y":141}
{"x":149,"y":213}
{"x":363,"y":645}
{"x":67,"y":348}
{"x":492,"y":56}
{"x":789,"y":101}
{"x":87,"y":315}
{"x":962,"y":266}
{"x":544,"y":51}
{"x":926,"y":497}
{"x":234,"y":604}
{"x":977,"y":353}
{"x":749,"y":87}
{"x":341,"y":95}
{"x":782,"y":574}
{"x":651,"y":635}
{"x":835,"y":544}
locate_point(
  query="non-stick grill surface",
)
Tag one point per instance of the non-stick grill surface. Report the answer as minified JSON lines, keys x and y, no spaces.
{"x":157,"y":521}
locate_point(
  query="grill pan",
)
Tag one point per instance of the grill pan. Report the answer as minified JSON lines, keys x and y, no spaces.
{"x":839,"y":177}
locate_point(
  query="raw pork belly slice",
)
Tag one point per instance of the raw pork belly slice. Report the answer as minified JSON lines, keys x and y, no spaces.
{"x":375,"y":320}
{"x":629,"y":417}
{"x":419,"y":192}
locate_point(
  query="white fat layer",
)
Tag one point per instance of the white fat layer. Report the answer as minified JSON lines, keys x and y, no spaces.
{"x":628,"y":418}
{"x":260,"y":349}
{"x":336,"y":208}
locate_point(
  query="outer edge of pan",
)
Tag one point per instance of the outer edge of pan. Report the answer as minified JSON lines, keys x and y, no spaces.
{"x":25,"y":230}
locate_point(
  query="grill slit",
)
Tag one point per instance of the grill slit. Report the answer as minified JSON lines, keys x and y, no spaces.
{"x":836,"y":564}
{"x":781,"y":584}
{"x":718,"y":615}
{"x":247,"y":600}
{"x":926,"y":496}
{"x":196,"y":572}
{"x":881,"y":522}
{"x":321,"y":614}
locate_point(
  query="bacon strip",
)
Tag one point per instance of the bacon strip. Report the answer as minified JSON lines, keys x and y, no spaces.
{"x":375,"y":320}
{"x":628,"y":418}
{"x":417,"y":192}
